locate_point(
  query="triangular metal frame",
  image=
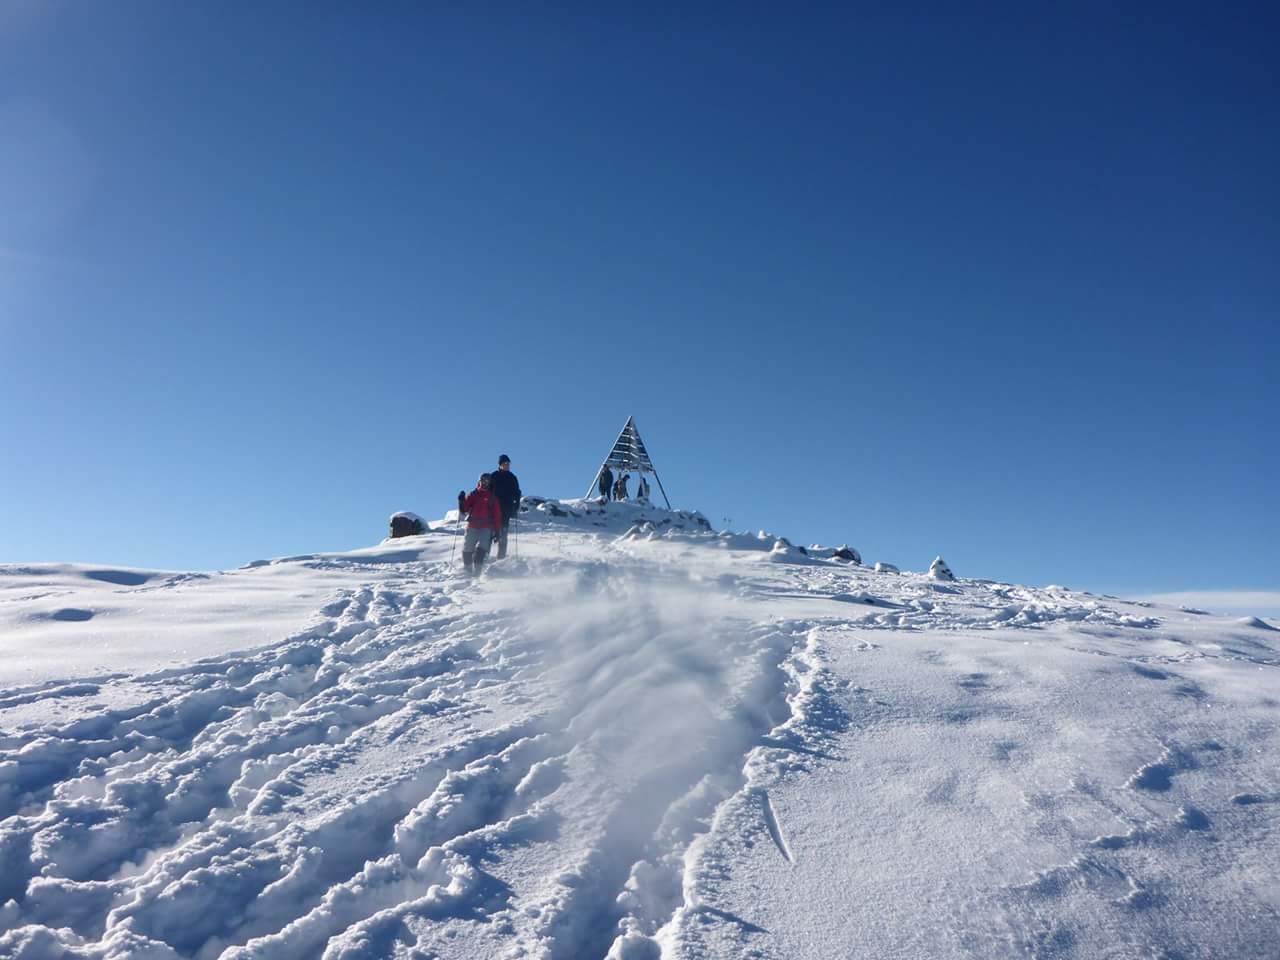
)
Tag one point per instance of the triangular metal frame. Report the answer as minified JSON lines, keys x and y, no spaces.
{"x":629,"y":455}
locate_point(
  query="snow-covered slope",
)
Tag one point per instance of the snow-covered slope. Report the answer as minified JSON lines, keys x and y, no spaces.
{"x":635,"y":737}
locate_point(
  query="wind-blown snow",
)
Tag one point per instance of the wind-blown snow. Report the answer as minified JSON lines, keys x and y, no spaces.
{"x":634,"y":737}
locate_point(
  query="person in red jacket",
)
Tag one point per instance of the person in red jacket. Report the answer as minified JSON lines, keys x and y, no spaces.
{"x":484,"y":520}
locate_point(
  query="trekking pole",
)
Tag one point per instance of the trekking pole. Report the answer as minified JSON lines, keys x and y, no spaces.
{"x":457,"y":528}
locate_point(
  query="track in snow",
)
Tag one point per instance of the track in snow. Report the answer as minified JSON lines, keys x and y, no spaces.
{"x":705,"y":747}
{"x":430,"y":753}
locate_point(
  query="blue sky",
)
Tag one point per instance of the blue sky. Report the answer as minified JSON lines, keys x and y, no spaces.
{"x":1001,"y":287}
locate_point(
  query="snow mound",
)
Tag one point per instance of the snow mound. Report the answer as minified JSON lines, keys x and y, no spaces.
{"x":783,"y":551}
{"x":939,"y":570}
{"x":882,"y":567}
{"x":1256,"y":622}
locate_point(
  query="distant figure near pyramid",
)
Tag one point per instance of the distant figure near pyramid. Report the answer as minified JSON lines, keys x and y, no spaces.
{"x":627,"y":456}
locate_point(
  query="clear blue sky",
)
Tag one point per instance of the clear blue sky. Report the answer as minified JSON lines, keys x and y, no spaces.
{"x":1001,"y":286}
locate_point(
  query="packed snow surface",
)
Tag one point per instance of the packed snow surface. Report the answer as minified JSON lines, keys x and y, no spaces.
{"x":633,"y":738}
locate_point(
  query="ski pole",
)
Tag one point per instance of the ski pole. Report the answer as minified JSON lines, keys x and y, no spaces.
{"x":457,"y":528}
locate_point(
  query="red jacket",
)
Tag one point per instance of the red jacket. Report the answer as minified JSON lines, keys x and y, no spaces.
{"x":483,"y":509}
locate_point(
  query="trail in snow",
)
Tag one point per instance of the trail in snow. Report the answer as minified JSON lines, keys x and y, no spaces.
{"x":371,"y":766}
{"x":672,"y":743}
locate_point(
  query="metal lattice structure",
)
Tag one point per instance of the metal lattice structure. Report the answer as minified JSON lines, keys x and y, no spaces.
{"x":629,"y":456}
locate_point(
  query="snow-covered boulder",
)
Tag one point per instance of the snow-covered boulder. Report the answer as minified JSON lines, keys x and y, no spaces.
{"x":784,"y":551}
{"x":406,"y":524}
{"x":939,"y":570}
{"x":882,"y":567}
{"x":843,"y":552}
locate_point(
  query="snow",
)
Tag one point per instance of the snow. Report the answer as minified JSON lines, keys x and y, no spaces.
{"x":1255,"y":622}
{"x":634,"y":737}
{"x":939,"y":570}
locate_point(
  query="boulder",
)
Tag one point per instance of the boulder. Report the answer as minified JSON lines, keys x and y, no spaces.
{"x":882,"y":567}
{"x":848,"y":553}
{"x":405,"y":524}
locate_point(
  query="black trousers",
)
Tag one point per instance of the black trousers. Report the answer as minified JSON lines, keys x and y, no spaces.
{"x":503,"y":530}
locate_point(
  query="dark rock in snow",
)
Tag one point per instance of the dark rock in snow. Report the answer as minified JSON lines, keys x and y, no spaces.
{"x":407,"y":524}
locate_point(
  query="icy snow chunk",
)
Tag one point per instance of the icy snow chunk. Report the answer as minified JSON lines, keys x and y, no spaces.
{"x":939,"y":570}
{"x":882,"y":567}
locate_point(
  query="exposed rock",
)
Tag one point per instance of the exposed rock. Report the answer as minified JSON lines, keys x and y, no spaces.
{"x":405,"y":524}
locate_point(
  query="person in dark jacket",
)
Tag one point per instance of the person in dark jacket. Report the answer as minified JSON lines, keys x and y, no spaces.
{"x":622,"y":487}
{"x":484,"y":520}
{"x":506,"y":487}
{"x":606,"y":483}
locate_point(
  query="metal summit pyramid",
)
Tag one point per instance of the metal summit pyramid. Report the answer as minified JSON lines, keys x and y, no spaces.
{"x":629,"y":456}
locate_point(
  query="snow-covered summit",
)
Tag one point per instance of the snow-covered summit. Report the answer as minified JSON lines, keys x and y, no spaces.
{"x":636,"y":736}
{"x":614,"y":516}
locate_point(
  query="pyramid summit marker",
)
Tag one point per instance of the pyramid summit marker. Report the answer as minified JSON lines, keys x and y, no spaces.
{"x":629,"y":456}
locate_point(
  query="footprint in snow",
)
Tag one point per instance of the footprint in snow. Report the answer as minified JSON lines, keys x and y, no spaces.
{"x":71,"y":615}
{"x":1248,"y":799}
{"x":1150,"y":673}
{"x":1158,"y":775}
